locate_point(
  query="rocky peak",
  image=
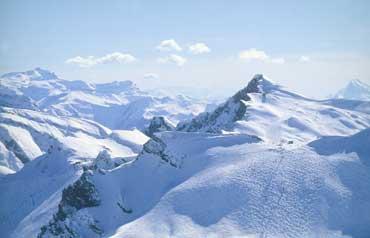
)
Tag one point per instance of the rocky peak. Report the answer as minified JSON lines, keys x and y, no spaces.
{"x":224,"y":116}
{"x":159,"y":124}
{"x":77,"y":196}
{"x":258,"y":84}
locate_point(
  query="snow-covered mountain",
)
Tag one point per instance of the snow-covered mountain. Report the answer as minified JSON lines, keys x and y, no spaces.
{"x":126,"y":105}
{"x":274,"y":114}
{"x":266,"y":163}
{"x":355,"y":90}
{"x":27,"y":134}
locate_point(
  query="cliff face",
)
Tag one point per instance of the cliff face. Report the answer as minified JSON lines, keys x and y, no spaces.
{"x":81,"y":194}
{"x":223,"y":117}
{"x":158,"y":124}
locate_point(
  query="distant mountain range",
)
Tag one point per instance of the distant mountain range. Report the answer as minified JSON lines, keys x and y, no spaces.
{"x":117,"y":105}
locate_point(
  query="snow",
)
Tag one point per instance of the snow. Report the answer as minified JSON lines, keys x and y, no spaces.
{"x":277,"y":115}
{"x":43,"y":90}
{"x":355,"y":90}
{"x":266,"y":163}
{"x":134,"y":139}
{"x":358,"y":143}
{"x":23,"y":139}
{"x":8,"y":161}
{"x":33,"y":132}
{"x":4,"y":170}
{"x":88,"y":146}
{"x":257,"y":190}
{"x":355,"y":105}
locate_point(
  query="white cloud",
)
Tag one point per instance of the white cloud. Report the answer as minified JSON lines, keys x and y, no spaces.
{"x":151,"y":76}
{"x":169,"y":45}
{"x":253,"y":54}
{"x":176,"y":59}
{"x":199,"y":48}
{"x":278,"y":60}
{"x":89,"y":61}
{"x":304,"y":59}
{"x":259,"y":55}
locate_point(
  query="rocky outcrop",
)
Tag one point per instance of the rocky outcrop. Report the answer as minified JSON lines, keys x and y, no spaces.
{"x":223,"y":117}
{"x":81,"y":194}
{"x":158,"y":124}
{"x":158,"y":147}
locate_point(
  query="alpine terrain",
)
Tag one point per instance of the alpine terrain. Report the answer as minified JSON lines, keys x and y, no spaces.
{"x":110,"y":160}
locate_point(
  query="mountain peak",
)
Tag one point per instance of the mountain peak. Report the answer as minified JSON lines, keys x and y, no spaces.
{"x":42,"y":74}
{"x":223,"y":117}
{"x":262,"y":83}
{"x":355,"y":90}
{"x":158,"y":124}
{"x":358,"y":83}
{"x":258,"y":84}
{"x":34,"y":74}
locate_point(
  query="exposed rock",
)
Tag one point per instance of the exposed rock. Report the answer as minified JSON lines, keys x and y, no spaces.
{"x":104,"y":161}
{"x":223,"y":117}
{"x":79,"y":195}
{"x":157,"y":147}
{"x":159,"y":124}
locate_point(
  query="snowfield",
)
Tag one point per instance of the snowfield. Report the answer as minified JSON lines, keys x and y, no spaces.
{"x":266,"y":163}
{"x":253,"y":190}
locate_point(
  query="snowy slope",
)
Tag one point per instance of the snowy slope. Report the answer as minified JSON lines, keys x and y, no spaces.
{"x":355,"y":90}
{"x":127,"y":106}
{"x":274,"y":114}
{"x":56,"y":149}
{"x":266,"y":163}
{"x":354,"y":105}
{"x":27,"y":134}
{"x":357,"y":143}
{"x":204,"y":185}
{"x":130,"y":190}
{"x":257,"y":191}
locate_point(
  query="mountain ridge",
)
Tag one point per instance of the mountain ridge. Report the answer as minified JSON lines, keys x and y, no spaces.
{"x":42,"y":90}
{"x":266,"y":163}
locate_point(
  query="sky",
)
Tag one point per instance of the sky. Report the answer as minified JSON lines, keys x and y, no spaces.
{"x":206,"y":48}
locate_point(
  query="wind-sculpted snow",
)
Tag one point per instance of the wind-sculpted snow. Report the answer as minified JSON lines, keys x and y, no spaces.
{"x":358,"y":143}
{"x":129,"y":191}
{"x":261,"y":191}
{"x":222,"y":186}
{"x":355,"y":105}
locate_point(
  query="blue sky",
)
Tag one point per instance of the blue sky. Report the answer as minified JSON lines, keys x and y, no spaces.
{"x":296,"y":43}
